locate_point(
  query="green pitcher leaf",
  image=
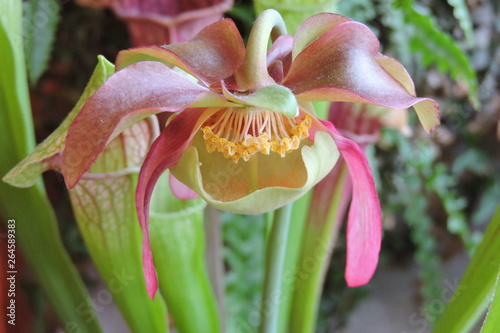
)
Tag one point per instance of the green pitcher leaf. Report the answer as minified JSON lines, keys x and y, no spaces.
{"x":104,"y":206}
{"x":37,"y":234}
{"x":178,"y":245}
{"x":44,"y":156}
{"x":474,"y":292}
{"x":40,"y":23}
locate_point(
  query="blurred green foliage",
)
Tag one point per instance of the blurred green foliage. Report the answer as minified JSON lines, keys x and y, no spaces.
{"x":40,"y":18}
{"x":244,"y":238}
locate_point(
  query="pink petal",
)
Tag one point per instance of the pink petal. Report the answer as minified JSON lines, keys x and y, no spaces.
{"x":275,"y":70}
{"x":313,"y":28}
{"x":180,"y":190}
{"x":140,"y":90}
{"x":148,"y":265}
{"x":279,"y":58}
{"x":164,"y":153}
{"x":364,"y":226}
{"x":281,"y":49}
{"x":343,"y":65}
{"x":213,"y":54}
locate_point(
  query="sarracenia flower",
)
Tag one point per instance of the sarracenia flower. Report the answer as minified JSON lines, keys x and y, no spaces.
{"x":244,"y":135}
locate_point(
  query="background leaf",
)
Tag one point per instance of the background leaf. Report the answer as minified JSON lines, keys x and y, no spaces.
{"x":244,"y":237}
{"x":39,"y":23}
{"x":437,"y":47}
{"x":474,"y":292}
{"x":492,"y":321}
{"x":461,"y":13}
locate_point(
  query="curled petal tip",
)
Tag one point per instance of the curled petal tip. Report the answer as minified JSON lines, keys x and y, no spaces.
{"x":359,"y":276}
{"x":149,"y":268}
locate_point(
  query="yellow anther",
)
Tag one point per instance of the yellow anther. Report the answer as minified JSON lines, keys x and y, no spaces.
{"x":207,"y":133}
{"x":259,"y":131}
{"x":211,"y":146}
{"x":295,"y":142}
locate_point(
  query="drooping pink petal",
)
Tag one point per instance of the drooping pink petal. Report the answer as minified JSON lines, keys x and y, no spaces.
{"x":213,"y":54}
{"x":180,"y":190}
{"x":343,"y":65}
{"x":364,"y":226}
{"x":164,"y":153}
{"x":140,"y":90}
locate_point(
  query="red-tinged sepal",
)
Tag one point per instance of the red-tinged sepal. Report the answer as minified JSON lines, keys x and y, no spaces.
{"x":344,"y":64}
{"x":138,"y":91}
{"x":364,"y":226}
{"x":212,"y":55}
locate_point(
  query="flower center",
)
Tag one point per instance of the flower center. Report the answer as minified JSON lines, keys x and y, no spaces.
{"x":242,"y":133}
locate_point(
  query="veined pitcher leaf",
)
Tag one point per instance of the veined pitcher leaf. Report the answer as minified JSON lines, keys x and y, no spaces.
{"x":178,"y":245}
{"x":104,"y":206}
{"x":43,"y":157}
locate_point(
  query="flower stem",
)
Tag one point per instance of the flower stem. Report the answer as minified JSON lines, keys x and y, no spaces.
{"x":275,"y":267}
{"x":328,"y":206}
{"x":213,"y":256}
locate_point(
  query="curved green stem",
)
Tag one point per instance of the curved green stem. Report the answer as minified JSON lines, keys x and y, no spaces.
{"x":275,"y":267}
{"x":252,"y":73}
{"x":295,"y":13}
{"x":213,"y":257}
{"x":328,"y":206}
